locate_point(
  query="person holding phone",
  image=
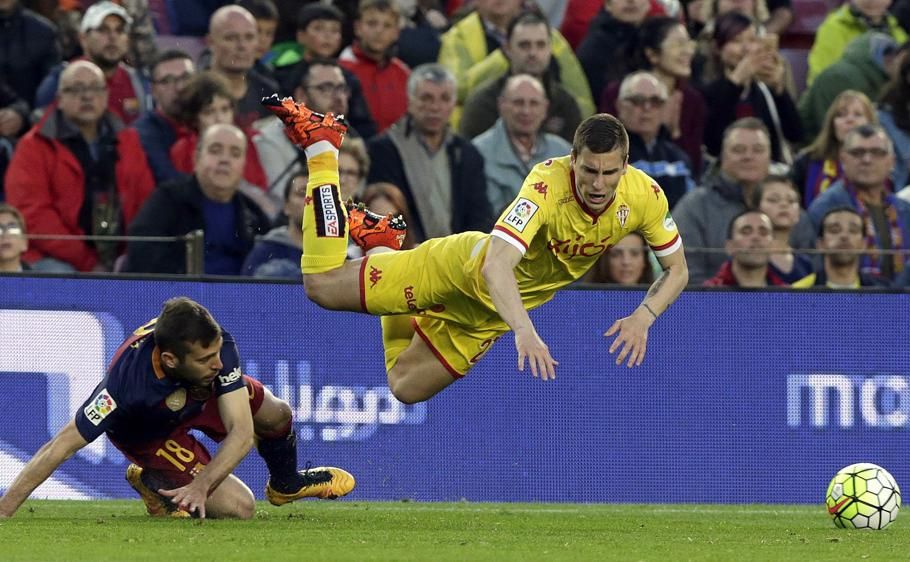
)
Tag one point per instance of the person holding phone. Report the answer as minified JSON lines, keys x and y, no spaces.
{"x":750,"y":82}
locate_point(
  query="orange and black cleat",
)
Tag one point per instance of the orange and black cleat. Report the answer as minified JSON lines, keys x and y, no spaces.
{"x":369,"y":230}
{"x":304,"y":126}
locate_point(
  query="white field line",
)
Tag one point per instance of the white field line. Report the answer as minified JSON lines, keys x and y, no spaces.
{"x":630,"y":509}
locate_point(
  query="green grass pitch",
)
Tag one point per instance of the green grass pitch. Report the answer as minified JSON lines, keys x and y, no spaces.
{"x":347,"y":530}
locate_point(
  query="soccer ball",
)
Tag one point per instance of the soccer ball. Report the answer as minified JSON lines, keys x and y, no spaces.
{"x":863,"y":496}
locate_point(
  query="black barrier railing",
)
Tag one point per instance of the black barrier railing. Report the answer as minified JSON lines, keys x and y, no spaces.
{"x":194,"y":243}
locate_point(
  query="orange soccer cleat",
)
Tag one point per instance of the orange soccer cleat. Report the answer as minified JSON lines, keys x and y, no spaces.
{"x":304,"y":126}
{"x":369,"y":230}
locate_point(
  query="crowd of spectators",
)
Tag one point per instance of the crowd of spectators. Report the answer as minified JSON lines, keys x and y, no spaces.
{"x":141,"y":118}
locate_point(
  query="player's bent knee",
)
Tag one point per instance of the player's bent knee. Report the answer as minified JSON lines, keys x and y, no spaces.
{"x":240,"y":506}
{"x":246,"y":508}
{"x":232,"y":499}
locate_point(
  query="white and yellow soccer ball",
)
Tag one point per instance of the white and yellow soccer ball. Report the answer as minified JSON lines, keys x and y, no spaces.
{"x":863,"y":496}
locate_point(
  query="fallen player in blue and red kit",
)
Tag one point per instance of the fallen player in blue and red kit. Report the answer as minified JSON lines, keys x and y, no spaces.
{"x":181,"y":371}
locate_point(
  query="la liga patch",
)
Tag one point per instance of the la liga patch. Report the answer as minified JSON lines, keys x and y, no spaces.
{"x":100,"y":408}
{"x":521,"y":213}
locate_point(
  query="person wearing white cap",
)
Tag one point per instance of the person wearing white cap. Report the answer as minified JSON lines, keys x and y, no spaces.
{"x":104,"y":36}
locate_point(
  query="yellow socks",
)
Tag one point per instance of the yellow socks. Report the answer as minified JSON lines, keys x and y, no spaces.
{"x":325,"y":226}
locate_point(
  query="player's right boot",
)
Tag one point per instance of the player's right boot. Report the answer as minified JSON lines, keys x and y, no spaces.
{"x":304,"y":126}
{"x":323,"y":482}
{"x":370,"y":230}
{"x":156,"y":504}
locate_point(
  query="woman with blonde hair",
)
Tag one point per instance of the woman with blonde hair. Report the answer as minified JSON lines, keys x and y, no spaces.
{"x":818,"y":165}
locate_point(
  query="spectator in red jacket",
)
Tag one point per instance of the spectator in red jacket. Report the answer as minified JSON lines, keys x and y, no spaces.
{"x":78,"y":171}
{"x":384,"y":77}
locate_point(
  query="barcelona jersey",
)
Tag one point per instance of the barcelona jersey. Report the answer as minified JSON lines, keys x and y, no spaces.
{"x":136,"y":402}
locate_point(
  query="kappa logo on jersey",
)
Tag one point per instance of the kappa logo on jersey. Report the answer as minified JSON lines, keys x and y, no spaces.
{"x":375,"y":276}
{"x":541,"y":188}
{"x":521,"y":214}
{"x":622,"y":215}
{"x":100,"y":408}
{"x":230,"y":377}
{"x":669,"y":223}
{"x":656,"y":189}
{"x":328,"y":212}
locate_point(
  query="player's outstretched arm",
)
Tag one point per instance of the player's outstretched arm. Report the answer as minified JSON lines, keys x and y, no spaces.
{"x":498,"y":272}
{"x":41,"y":466}
{"x":234,"y":408}
{"x":632,"y":340}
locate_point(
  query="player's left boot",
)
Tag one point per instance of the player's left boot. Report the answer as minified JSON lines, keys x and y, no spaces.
{"x":323,"y":482}
{"x":304,"y":126}
{"x":370,"y":230}
{"x":156,"y":504}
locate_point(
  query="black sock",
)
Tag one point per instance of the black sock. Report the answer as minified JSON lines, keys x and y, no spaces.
{"x":280,"y":457}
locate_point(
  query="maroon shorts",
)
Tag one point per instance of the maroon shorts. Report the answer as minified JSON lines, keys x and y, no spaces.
{"x":175,"y":459}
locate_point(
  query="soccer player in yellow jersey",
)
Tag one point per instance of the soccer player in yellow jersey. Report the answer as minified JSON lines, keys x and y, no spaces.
{"x":444,"y":303}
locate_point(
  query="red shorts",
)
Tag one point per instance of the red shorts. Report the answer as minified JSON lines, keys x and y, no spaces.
{"x":174,"y":460}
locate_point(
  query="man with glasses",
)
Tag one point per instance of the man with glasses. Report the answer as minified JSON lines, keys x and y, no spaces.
{"x":641,"y":102}
{"x":867,"y":157}
{"x":322,"y":87}
{"x":170,"y":72}
{"x":78,"y":172}
{"x":319,"y":36}
{"x":104,"y":35}
{"x":12,"y":240}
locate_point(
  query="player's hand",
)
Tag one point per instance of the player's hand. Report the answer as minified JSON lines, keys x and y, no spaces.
{"x":532,"y":348}
{"x":632,"y":340}
{"x":190,"y":498}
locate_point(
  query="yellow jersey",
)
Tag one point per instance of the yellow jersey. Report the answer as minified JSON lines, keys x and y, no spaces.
{"x":561,"y":238}
{"x":548,"y":223}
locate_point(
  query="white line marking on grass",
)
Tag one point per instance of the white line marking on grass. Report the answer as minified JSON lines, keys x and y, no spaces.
{"x":628,"y":508}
